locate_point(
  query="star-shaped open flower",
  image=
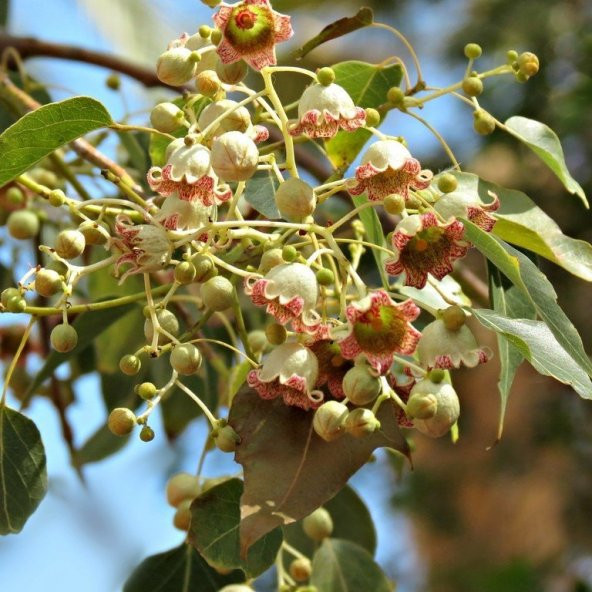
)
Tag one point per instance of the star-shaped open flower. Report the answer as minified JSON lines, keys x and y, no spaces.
{"x":459,"y":204}
{"x":388,"y":167}
{"x":250,"y":31}
{"x":379,"y":328}
{"x":423,"y":245}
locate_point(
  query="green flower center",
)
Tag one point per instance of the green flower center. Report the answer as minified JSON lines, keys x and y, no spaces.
{"x":426,"y":248}
{"x":250,"y":28}
{"x":380,"y":330}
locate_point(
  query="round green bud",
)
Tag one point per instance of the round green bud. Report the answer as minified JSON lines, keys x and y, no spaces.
{"x":218,"y":293}
{"x":216,"y":36}
{"x":204,"y":31}
{"x":211,"y":3}
{"x":204,"y":268}
{"x":22,"y":224}
{"x":325,"y":277}
{"x":270,"y":259}
{"x":473,"y":51}
{"x":276,"y":334}
{"x":146,"y":390}
{"x":447,"y":183}
{"x":182,"y":487}
{"x":9,"y":294}
{"x":113,"y":81}
{"x":57,"y":198}
{"x":130,"y":364}
{"x":63,"y":338}
{"x":257,"y":341}
{"x":472,"y":86}
{"x":395,"y":96}
{"x":295,"y":200}
{"x":70,"y":244}
{"x":227,"y":439}
{"x":360,"y":386}
{"x":447,"y":407}
{"x":121,"y":421}
{"x":15,"y":196}
{"x":16,"y":304}
{"x":47,"y":282}
{"x":372,"y":117}
{"x":437,"y":375}
{"x":232,"y":73}
{"x":146,"y":434}
{"x":521,"y":77}
{"x":166,"y":117}
{"x":289,"y":253}
{"x":528,"y":63}
{"x":185,"y":359}
{"x":483,"y":122}
{"x":511,"y":56}
{"x":167,"y":320}
{"x":326,"y":76}
{"x":422,"y":406}
{"x":394,"y":204}
{"x":318,"y":525}
{"x":328,"y":420}
{"x":182,"y":517}
{"x":454,"y":317}
{"x":185,"y":272}
{"x":95,"y":233}
{"x":300,"y":569}
{"x":361,"y":422}
{"x":45,"y":177}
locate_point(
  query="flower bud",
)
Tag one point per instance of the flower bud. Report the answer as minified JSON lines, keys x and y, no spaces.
{"x":95,"y":233}
{"x":454,"y":317}
{"x":121,"y":421}
{"x":528,"y":63}
{"x":8,"y":294}
{"x":325,"y":277}
{"x":130,"y":364}
{"x":185,"y":272}
{"x":232,"y":73}
{"x":372,"y":117}
{"x":70,"y":244}
{"x":15,"y":196}
{"x":289,"y":253}
{"x":472,"y":86}
{"x":146,"y":434}
{"x":237,"y":120}
{"x":447,"y":410}
{"x":473,"y":51}
{"x":447,"y":183}
{"x":185,"y":359}
{"x":113,"y":81}
{"x":167,"y":320}
{"x":360,"y":386}
{"x":328,"y":420}
{"x":23,"y":224}
{"x":318,"y":525}
{"x":146,"y":390}
{"x":295,"y":200}
{"x":166,"y":117}
{"x":16,"y":304}
{"x":47,"y":282}
{"x":394,"y":203}
{"x":257,"y":341}
{"x":234,"y":156}
{"x":204,"y":268}
{"x":483,"y":122}
{"x":182,"y":487}
{"x":217,"y":293}
{"x":270,"y":259}
{"x":300,"y":569}
{"x":176,"y":66}
{"x":208,"y":83}
{"x":63,"y":338}
{"x":182,"y":517}
{"x":422,"y":406}
{"x":326,"y":76}
{"x":395,"y":95}
{"x":276,"y":334}
{"x":361,"y":422}
{"x":227,"y":439}
{"x":57,"y":198}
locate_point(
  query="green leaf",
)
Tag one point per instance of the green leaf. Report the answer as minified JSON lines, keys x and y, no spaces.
{"x":521,"y":222}
{"x":289,"y":470}
{"x":343,"y":566}
{"x":260,"y":191}
{"x":508,"y":301}
{"x":431,"y":298}
{"x":367,"y":84}
{"x":214,"y":531}
{"x":23,"y":472}
{"x":42,"y":131}
{"x":99,"y":446}
{"x":525,"y":275}
{"x":537,"y":344}
{"x":543,"y":141}
{"x":181,"y":569}
{"x":238,"y":375}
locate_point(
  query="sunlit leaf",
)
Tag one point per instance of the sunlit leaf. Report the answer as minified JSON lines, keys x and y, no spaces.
{"x":259,"y":192}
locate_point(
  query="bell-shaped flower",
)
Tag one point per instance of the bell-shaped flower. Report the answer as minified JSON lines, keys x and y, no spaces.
{"x":423,"y":245}
{"x":458,"y":204}
{"x":388,"y":167}
{"x":180,"y":214}
{"x":323,"y":110}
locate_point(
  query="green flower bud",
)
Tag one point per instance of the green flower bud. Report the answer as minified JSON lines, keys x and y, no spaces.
{"x":95,"y":233}
{"x":15,"y":196}
{"x":483,"y":122}
{"x":521,"y":77}
{"x":227,"y":439}
{"x":57,"y":198}
{"x":295,"y":200}
{"x":185,"y":272}
{"x":300,"y":569}
{"x":372,"y":117}
{"x":167,"y":320}
{"x":326,"y":76}
{"x":146,"y":434}
{"x":395,"y":96}
{"x":360,"y":386}
{"x":473,"y":51}
{"x":447,"y":411}
{"x":113,"y":81}
{"x":176,"y":66}
{"x":276,"y":334}
{"x":9,"y":294}
{"x":70,"y":244}
{"x":204,"y":31}
{"x":325,"y":277}
{"x":218,"y":293}
{"x":318,"y":525}
{"x":16,"y":304}
{"x":130,"y":364}
{"x":216,"y":35}
{"x":232,"y":73}
{"x":146,"y":390}
{"x":447,"y":183}
{"x":63,"y":338}
{"x":257,"y":341}
{"x":472,"y":86}
{"x":361,"y":422}
{"x":422,"y":406}
{"x":204,"y":268}
{"x":47,"y":282}
{"x":45,"y":177}
{"x":437,"y":375}
{"x":234,"y":156}
{"x":394,"y":204}
{"x":182,"y":487}
{"x":208,"y":83}
{"x":454,"y":317}
{"x":270,"y":259}
{"x":166,"y":117}
{"x":23,"y":224}
{"x":182,"y":517}
{"x":185,"y":359}
{"x":289,"y":253}
{"x":511,"y":56}
{"x":121,"y":421}
{"x":528,"y":63}
{"x":328,"y":420}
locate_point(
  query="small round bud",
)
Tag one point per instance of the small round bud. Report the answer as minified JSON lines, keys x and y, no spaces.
{"x":204,"y":31}
{"x":301,"y":569}
{"x":23,"y":224}
{"x":176,"y":66}
{"x":276,"y":334}
{"x":235,"y":119}
{"x":521,"y":77}
{"x":185,"y":359}
{"x":437,"y":375}
{"x":483,"y":122}
{"x":472,"y":86}
{"x":15,"y":196}
{"x":204,"y":268}
{"x":47,"y":282}
{"x":45,"y":177}
{"x":57,"y":198}
{"x":182,"y":517}
{"x":146,"y":434}
{"x":16,"y":304}
{"x":325,"y":277}
{"x":372,"y":117}
{"x":167,"y":321}
{"x":295,"y":200}
{"x":208,"y":83}
{"x":95,"y":233}
{"x":289,"y":253}
{"x":182,"y":487}
{"x":395,"y":96}
{"x":121,"y":421}
{"x":473,"y":51}
{"x":360,"y":386}
{"x":361,"y":422}
{"x":326,"y":76}
{"x":227,"y":439}
{"x":447,"y":183}
{"x":511,"y":56}
{"x":318,"y":525}
{"x":113,"y":81}
{"x":70,"y":244}
{"x":234,"y":156}
{"x":528,"y":63}
{"x":328,"y":420}
{"x":185,"y":272}
{"x":146,"y":390}
{"x":9,"y":294}
{"x":130,"y":364}
{"x":394,"y":203}
{"x":257,"y":341}
{"x":216,"y":35}
{"x":166,"y":117}
{"x":270,"y":259}
{"x":232,"y":73}
{"x":447,"y":408}
{"x":422,"y":406}
{"x":454,"y":317}
{"x":63,"y":338}
{"x":218,"y":293}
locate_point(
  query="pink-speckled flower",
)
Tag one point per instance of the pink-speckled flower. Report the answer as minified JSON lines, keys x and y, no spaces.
{"x":189,"y":174}
{"x":423,"y":245}
{"x":146,"y":247}
{"x":250,"y":32}
{"x":379,"y":328}
{"x":181,"y":214}
{"x":324,"y":110}
{"x":332,"y":367}
{"x":388,"y":167}
{"x":291,"y":371}
{"x":459,"y":204}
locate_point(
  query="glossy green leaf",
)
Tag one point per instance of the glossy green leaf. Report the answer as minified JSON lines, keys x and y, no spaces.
{"x":343,"y":566}
{"x":260,"y":191}
{"x":23,"y":471}
{"x":42,"y":131}
{"x":525,"y":275}
{"x":289,"y":470}
{"x":543,"y":141}
{"x":537,"y":344}
{"x":214,"y":531}
{"x":181,"y":569}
